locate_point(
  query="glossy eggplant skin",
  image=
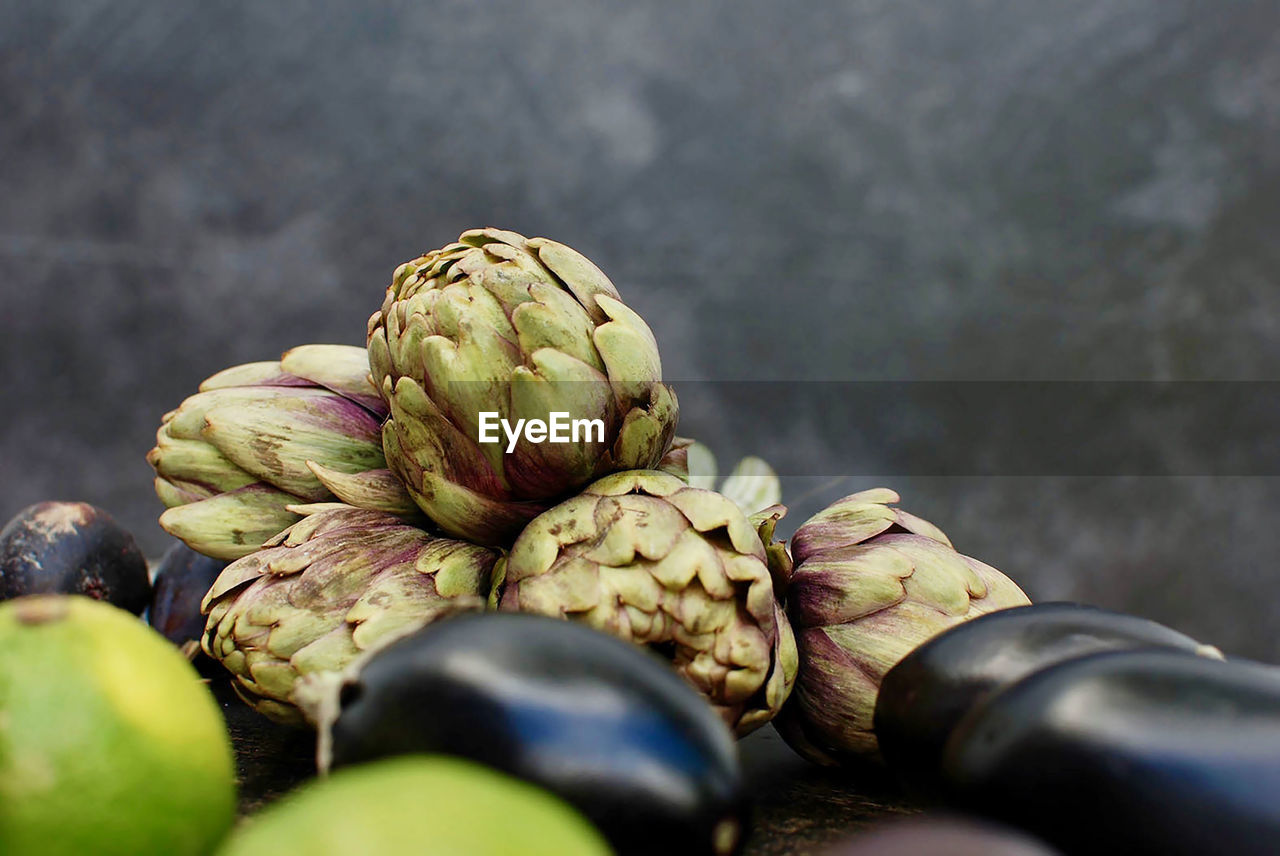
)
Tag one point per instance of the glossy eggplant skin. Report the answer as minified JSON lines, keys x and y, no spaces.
{"x":72,"y":548}
{"x":1137,"y":752}
{"x":923,"y":697}
{"x":604,"y":724}
{"x":179,"y":583}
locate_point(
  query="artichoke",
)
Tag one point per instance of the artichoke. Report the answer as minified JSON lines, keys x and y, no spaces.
{"x":521,"y":328}
{"x":676,"y":459}
{"x":260,"y":437}
{"x":752,"y":484}
{"x":646,"y":557}
{"x":339,"y":582}
{"x":871,"y":583}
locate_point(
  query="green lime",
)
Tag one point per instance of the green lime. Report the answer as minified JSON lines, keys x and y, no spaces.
{"x":109,"y":742}
{"x":424,"y":805}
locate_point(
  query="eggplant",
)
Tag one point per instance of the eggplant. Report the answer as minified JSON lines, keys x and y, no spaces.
{"x":180,"y":582}
{"x":940,"y":836}
{"x":923,"y":697}
{"x":604,"y":724}
{"x":1133,"y":752}
{"x":72,"y":548}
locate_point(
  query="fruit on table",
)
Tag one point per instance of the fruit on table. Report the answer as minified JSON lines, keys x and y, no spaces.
{"x":871,"y":583}
{"x":180,"y":582}
{"x":339,"y":582}
{"x":1133,"y":752}
{"x":260,"y":437}
{"x":110,"y":742}
{"x":417,"y":806}
{"x":645,"y":557}
{"x":940,"y":836}
{"x":603,"y":724}
{"x":521,"y":328}
{"x":924,"y":696}
{"x":72,"y":548}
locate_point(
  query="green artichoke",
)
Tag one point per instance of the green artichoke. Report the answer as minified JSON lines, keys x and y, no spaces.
{"x":676,"y":459}
{"x":646,"y":557}
{"x":521,"y":328}
{"x":751,"y":484}
{"x":339,"y":582}
{"x":871,"y":582}
{"x":260,"y":437}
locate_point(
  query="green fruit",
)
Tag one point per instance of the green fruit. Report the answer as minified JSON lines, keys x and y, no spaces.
{"x":109,"y":742}
{"x":424,"y":805}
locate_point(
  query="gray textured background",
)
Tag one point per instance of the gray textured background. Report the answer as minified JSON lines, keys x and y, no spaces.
{"x":884,"y":190}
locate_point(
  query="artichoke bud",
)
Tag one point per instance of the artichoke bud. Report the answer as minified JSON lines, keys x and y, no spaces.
{"x":871,"y":583}
{"x":676,"y":460}
{"x":779,"y":560}
{"x":495,"y":329}
{"x":340,"y":582}
{"x":260,"y":437}
{"x":681,"y":570}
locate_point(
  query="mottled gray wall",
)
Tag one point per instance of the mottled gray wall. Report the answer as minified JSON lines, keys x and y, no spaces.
{"x":957,"y":190}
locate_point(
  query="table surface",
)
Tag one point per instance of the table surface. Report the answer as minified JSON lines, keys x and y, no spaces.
{"x":799,"y":807}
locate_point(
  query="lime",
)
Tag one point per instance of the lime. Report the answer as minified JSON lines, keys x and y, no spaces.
{"x":424,"y":805}
{"x":109,"y":742}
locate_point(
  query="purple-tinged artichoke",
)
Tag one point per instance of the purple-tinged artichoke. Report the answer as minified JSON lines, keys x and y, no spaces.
{"x":521,"y":328}
{"x":260,"y":437}
{"x":871,"y":582}
{"x":681,"y":570}
{"x":340,"y":582}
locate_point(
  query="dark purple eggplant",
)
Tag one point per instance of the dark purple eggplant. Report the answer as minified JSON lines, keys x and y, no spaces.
{"x":72,"y":548}
{"x":1135,"y":752}
{"x":940,"y":836}
{"x":923,"y":697}
{"x":180,"y":582}
{"x":602,"y":723}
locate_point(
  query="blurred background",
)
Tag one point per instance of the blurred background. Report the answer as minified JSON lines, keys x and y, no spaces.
{"x":880,"y":192}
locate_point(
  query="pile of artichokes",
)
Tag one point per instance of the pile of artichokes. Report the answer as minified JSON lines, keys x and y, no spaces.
{"x":351,"y":490}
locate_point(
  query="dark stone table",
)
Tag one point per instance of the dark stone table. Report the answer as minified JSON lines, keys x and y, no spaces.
{"x":799,"y":807}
